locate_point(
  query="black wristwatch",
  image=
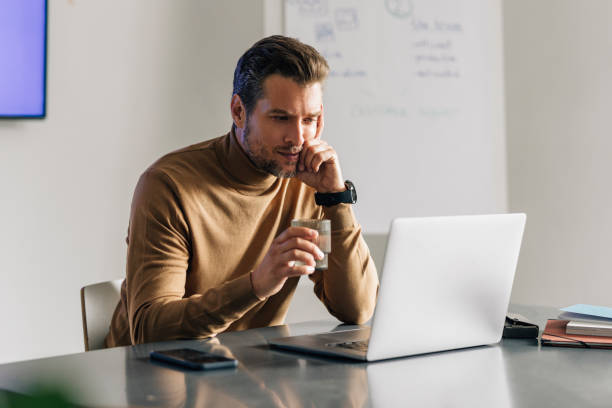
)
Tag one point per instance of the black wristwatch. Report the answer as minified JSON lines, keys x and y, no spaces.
{"x":349,"y":196}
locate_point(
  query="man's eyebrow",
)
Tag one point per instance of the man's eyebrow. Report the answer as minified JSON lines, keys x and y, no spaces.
{"x":284,"y":112}
{"x":278,"y":112}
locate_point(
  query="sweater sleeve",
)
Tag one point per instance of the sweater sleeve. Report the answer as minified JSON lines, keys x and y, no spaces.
{"x":157,"y":267}
{"x":349,"y":286}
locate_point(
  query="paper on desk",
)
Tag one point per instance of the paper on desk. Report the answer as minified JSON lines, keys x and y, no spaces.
{"x":555,"y":334}
{"x":587,"y":312}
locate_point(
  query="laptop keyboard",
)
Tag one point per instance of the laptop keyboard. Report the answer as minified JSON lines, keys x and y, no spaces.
{"x":361,"y":345}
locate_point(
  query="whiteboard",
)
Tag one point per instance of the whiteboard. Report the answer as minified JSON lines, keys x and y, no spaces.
{"x":413,"y":103}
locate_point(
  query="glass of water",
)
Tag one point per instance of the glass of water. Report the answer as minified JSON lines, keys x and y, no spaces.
{"x":324,"y":242}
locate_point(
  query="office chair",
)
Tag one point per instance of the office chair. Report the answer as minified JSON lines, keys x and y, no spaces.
{"x":98,"y":302}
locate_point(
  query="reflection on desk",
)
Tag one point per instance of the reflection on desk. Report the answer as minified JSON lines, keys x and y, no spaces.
{"x":474,"y":377}
{"x":515,"y":373}
{"x":253,"y":383}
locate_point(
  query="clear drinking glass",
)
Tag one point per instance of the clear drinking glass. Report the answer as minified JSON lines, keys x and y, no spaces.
{"x":324,"y":243}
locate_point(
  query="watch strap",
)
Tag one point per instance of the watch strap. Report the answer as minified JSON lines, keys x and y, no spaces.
{"x":347,"y":196}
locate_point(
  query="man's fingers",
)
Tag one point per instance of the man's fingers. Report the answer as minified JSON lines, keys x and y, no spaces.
{"x":296,"y":255}
{"x":302,"y":244}
{"x":323,"y":156}
{"x":308,"y":149}
{"x":293,"y":232}
{"x":311,"y":153}
{"x":298,"y":270}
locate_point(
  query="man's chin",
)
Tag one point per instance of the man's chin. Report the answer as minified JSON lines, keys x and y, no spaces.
{"x":276,"y":169}
{"x":285,"y":173}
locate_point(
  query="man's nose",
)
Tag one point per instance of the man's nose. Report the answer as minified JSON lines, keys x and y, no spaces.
{"x":295,"y":135}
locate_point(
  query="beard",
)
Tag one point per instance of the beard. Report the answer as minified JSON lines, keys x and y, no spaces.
{"x":262,"y":157}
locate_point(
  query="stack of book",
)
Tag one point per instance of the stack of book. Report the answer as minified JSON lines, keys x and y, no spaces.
{"x":580,"y":326}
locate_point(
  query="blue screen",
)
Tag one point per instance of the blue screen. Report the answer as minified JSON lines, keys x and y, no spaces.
{"x":22,"y":57}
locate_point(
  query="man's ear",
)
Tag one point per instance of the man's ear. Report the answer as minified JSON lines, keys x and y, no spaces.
{"x":238,"y":111}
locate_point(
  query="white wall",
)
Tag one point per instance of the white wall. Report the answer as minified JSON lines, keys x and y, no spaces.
{"x":559,"y":103}
{"x":127,"y":82}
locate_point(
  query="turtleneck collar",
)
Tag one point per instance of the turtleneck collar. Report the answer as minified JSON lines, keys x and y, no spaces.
{"x":249,"y":179}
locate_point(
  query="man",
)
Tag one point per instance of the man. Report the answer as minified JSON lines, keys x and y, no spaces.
{"x":210,"y":247}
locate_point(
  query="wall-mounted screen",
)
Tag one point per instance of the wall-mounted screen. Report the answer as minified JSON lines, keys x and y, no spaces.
{"x":23,"y":32}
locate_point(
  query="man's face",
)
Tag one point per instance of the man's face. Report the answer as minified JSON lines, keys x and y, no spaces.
{"x":281,"y":121}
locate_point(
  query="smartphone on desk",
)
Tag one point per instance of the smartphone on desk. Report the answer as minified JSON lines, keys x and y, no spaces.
{"x":193,"y":359}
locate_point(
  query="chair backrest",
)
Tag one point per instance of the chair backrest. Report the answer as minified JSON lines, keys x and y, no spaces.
{"x":98,"y":302}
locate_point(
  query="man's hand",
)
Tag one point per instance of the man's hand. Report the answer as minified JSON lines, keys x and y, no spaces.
{"x":318,"y":165}
{"x":293,"y":244}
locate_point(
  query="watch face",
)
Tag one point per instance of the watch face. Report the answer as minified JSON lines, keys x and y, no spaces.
{"x":351,"y":187}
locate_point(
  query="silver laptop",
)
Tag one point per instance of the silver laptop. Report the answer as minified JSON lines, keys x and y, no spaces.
{"x":445,"y":285}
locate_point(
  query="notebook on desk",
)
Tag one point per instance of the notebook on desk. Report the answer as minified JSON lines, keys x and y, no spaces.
{"x":445,"y":285}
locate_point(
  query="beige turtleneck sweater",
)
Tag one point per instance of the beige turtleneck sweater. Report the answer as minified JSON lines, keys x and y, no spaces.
{"x":202,"y":219}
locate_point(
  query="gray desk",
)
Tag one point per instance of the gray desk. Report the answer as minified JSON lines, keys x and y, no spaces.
{"x":515,"y":373}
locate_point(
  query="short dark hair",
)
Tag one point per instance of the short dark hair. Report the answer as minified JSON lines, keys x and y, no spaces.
{"x":276,"y":54}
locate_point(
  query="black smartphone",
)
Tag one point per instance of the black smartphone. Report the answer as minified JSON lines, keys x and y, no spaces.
{"x":193,"y":359}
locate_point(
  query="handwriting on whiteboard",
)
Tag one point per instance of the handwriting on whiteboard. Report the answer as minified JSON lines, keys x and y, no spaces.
{"x":433,"y":48}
